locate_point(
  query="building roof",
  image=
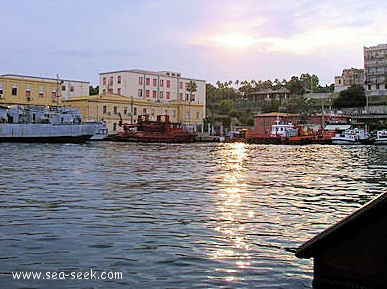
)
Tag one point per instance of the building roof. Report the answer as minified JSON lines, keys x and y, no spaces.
{"x":172,"y":74}
{"x":318,"y":95}
{"x":351,"y":223}
{"x":40,"y":78}
{"x":279,"y":114}
{"x":337,"y":126}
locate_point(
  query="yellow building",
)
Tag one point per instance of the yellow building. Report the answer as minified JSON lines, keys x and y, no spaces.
{"x":109,"y":107}
{"x":30,"y":90}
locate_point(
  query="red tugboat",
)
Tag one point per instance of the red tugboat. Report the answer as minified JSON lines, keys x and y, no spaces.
{"x":159,"y":131}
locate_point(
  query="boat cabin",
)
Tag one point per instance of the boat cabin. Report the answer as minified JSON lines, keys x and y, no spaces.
{"x":283,"y":130}
{"x":353,"y":252}
{"x":40,"y":114}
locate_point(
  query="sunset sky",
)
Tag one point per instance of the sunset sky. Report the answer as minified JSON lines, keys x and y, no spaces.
{"x":203,"y":39}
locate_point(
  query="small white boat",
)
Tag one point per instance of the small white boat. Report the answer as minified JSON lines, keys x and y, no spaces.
{"x":381,"y":137}
{"x":101,"y":133}
{"x":351,"y":136}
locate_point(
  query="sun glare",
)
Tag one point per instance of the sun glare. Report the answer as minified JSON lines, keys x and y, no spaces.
{"x":235,"y":40}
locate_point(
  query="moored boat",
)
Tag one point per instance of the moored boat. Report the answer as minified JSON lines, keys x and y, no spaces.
{"x":351,"y":136}
{"x":381,"y":137}
{"x":281,"y":133}
{"x":159,"y":131}
{"x":36,"y":123}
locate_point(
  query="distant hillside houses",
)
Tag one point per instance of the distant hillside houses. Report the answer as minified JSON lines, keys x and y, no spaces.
{"x":373,"y":77}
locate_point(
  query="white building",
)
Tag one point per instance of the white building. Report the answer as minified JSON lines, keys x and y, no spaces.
{"x":348,"y":78}
{"x":161,"y":86}
{"x":375,"y":69}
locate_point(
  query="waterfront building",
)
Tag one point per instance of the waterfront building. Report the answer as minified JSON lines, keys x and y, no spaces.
{"x":162,"y":86}
{"x":160,"y":90}
{"x":113,"y":107}
{"x":31,"y":90}
{"x":348,"y":78}
{"x":375,"y":69}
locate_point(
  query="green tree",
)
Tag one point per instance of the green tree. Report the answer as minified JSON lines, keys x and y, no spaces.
{"x":354,"y":96}
{"x":295,"y":86}
{"x":191,"y":88}
{"x":93,"y":91}
{"x":300,"y":105}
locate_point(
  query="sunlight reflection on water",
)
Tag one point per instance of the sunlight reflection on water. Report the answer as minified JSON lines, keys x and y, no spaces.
{"x":177,"y":216}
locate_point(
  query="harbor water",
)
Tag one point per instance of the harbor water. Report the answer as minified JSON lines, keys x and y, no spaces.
{"x":175,"y":215}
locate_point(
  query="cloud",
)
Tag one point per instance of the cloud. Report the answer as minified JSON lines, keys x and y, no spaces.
{"x":90,"y":53}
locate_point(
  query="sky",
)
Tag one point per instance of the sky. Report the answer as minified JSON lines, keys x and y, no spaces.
{"x":212,"y":40}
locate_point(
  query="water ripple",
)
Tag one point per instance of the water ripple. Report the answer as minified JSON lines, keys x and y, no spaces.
{"x":176,"y":216}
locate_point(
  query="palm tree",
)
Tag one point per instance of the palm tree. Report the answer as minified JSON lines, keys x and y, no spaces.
{"x":191,"y":88}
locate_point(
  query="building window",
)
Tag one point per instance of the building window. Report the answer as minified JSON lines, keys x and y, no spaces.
{"x":119,"y":90}
{"x":111,"y":80}
{"x":147,"y":81}
{"x":125,"y":110}
{"x":114,"y":109}
{"x":119,"y":79}
{"x":104,"y":81}
{"x":104,"y":109}
{"x":154,"y":93}
{"x":154,"y":82}
{"x":168,"y":95}
{"x":369,"y":87}
{"x":104,"y":90}
{"x":161,"y":94}
{"x":72,"y":88}
{"x":144,"y":110}
{"x":181,"y":85}
{"x":135,"y":110}
{"x":147,"y":93}
{"x":180,"y":96}
{"x":41,"y":92}
{"x":168,"y":83}
{"x":140,"y":80}
{"x":14,"y":90}
{"x":63,"y":88}
{"x":139,"y":93}
{"x":161,"y":82}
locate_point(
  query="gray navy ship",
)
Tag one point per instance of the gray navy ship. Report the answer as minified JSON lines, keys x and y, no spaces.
{"x":34,"y":123}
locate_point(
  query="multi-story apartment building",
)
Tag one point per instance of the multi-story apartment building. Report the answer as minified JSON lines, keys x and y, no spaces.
{"x":26,"y":90}
{"x":162,"y":86}
{"x":150,"y":92}
{"x":375,"y":69}
{"x":349,"y":77}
